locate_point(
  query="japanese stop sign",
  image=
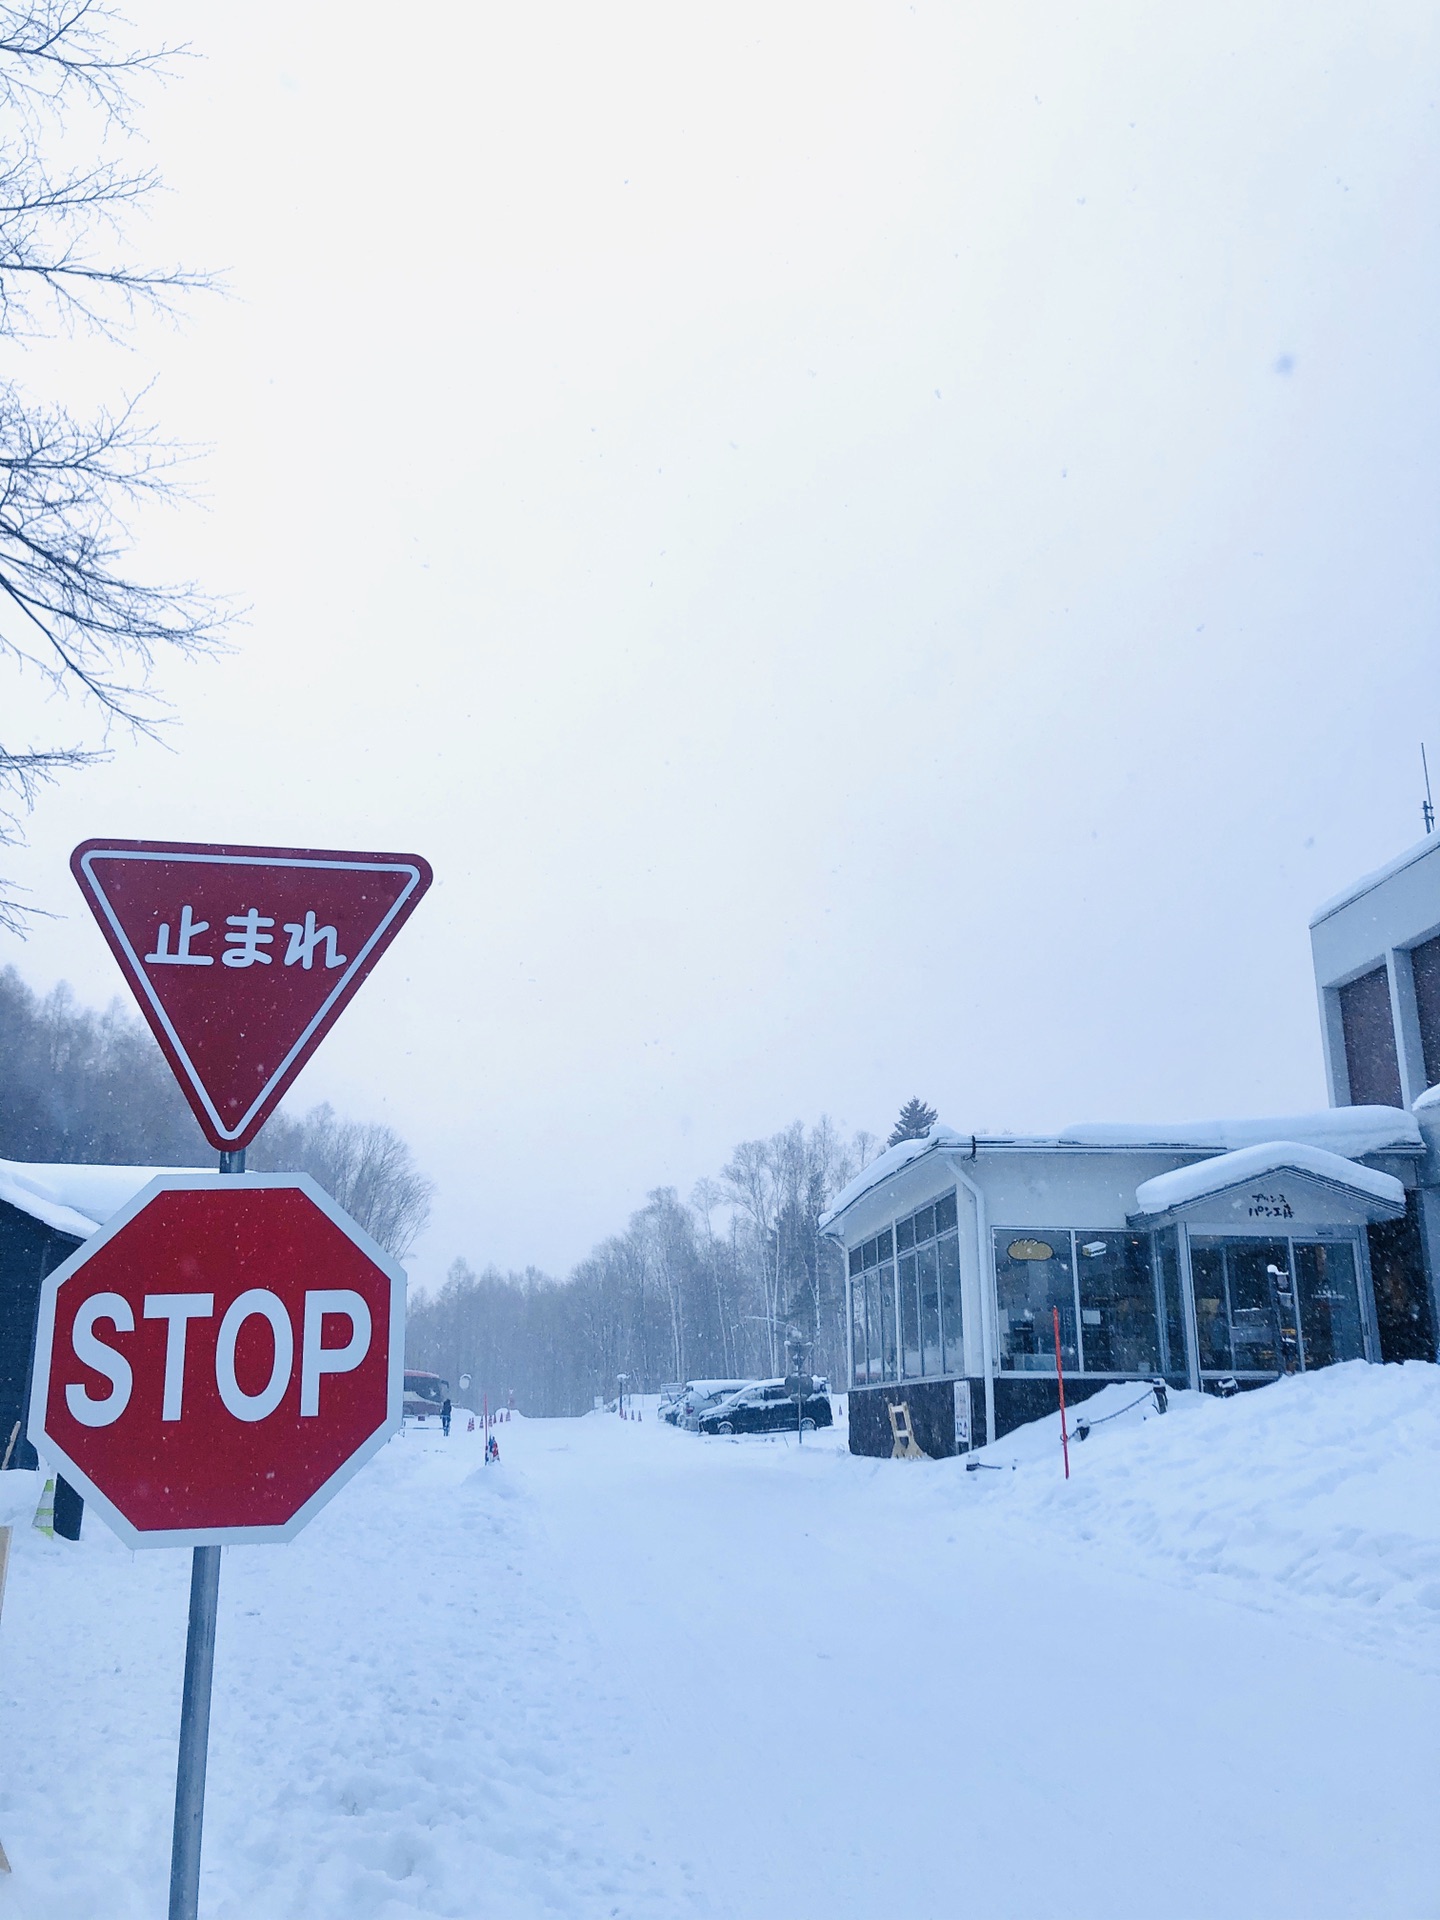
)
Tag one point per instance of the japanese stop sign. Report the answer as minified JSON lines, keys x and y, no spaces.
{"x":219,"y":1359}
{"x":242,"y":958}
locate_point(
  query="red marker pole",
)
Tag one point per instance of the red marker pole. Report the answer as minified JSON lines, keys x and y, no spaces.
{"x":1060,"y":1377}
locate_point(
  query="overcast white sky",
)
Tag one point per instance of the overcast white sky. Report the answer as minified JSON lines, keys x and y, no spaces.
{"x":877,"y":548}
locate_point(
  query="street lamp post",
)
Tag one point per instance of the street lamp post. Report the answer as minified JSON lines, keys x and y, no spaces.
{"x":795,"y":1349}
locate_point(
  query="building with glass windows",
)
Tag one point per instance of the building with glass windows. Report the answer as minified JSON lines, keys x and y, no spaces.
{"x":980,"y":1266}
{"x":1200,"y":1254}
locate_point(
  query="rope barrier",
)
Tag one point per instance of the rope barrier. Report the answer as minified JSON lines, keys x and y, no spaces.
{"x":1156,"y":1390}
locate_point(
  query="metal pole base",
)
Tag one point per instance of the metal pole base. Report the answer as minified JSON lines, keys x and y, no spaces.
{"x":194,"y":1735}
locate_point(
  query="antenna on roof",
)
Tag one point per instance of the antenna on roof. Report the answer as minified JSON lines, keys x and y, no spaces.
{"x":1427,"y":808}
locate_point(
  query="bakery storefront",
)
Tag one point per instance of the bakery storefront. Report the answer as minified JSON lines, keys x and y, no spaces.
{"x":1203,"y":1255}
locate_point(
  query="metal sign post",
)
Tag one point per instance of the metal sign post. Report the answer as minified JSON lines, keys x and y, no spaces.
{"x":194,"y":1734}
{"x":195,"y":1708}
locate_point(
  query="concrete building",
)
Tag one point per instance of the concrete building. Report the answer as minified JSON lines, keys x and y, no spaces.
{"x":1376,"y":950}
{"x":1200,"y":1254}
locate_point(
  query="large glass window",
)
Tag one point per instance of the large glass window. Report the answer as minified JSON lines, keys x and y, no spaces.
{"x":1034,"y":1278}
{"x":1173,"y":1363}
{"x":1212,"y":1308}
{"x":1119,"y":1330}
{"x":1117,"y":1294}
{"x":927,"y":1266}
{"x":928,"y":1246}
{"x":948,"y":1249}
{"x":881,"y":1282}
{"x":1329,"y":1302}
{"x":917,"y":1264}
{"x":909,"y":1315}
{"x":859,"y":1344}
{"x":872,"y":1309}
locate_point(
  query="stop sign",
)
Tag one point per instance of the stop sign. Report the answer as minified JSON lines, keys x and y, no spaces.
{"x":219,"y":1359}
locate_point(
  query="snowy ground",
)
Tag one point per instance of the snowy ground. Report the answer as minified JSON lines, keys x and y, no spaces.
{"x":630,"y":1673}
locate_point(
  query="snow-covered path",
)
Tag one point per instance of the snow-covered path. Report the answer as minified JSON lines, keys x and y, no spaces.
{"x":631,"y":1673}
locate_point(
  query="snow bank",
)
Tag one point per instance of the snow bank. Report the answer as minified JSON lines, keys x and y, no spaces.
{"x":627,"y":1672}
{"x":1313,"y":1495}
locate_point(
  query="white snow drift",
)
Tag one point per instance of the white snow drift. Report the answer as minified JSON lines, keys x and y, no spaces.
{"x":629,"y":1672}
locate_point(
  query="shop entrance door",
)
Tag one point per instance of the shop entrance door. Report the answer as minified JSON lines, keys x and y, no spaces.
{"x":1276,"y":1306}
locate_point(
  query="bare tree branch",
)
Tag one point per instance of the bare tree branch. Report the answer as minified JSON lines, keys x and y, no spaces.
{"x":73,"y":608}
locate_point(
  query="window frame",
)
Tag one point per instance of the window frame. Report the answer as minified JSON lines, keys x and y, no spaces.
{"x":1001,"y":1236}
{"x":860,"y":1281}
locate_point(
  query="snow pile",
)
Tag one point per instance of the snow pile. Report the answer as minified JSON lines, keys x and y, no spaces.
{"x":1316,"y":1493}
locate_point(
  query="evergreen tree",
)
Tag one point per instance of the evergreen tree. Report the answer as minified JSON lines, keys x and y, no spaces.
{"x":915,"y":1122}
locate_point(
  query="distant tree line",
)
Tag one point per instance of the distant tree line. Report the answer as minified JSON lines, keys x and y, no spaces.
{"x":708,"y":1290}
{"x":81,"y":1086}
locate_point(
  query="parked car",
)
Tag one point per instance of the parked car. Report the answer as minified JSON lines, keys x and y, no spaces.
{"x":768,"y":1406}
{"x":701,"y":1395}
{"x":671,"y":1394}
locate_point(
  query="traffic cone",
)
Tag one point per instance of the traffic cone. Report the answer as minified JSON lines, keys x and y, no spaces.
{"x":471,"y":1427}
{"x":45,"y":1512}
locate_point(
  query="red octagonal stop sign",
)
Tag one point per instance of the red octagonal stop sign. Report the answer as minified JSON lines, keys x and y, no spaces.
{"x":218,"y":1360}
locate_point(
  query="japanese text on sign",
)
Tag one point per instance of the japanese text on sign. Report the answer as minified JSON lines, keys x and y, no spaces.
{"x":1270,"y":1206}
{"x":246,"y":944}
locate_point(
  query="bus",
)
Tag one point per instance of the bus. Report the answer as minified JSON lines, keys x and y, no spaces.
{"x":424,"y":1393}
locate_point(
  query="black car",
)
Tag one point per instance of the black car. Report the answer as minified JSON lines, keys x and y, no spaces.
{"x":767,"y":1407}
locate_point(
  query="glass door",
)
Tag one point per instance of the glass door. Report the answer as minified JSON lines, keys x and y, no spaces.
{"x":1329,"y":1294}
{"x":1276,"y":1306}
{"x":1262,"y":1307}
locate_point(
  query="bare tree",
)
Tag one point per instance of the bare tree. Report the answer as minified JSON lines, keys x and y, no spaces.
{"x":72,"y":610}
{"x":674,"y":1296}
{"x":366,"y":1167}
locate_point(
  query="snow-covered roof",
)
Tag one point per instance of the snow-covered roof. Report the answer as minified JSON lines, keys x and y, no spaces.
{"x":1348,"y":1132}
{"x":74,"y":1199}
{"x":1209,"y":1178}
{"x":1430,"y":844}
{"x":891,"y":1161}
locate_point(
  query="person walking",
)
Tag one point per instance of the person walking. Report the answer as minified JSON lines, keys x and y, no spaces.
{"x":445,"y":1412}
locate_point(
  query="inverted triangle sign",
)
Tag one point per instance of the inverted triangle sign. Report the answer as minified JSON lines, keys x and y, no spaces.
{"x":243,"y":958}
